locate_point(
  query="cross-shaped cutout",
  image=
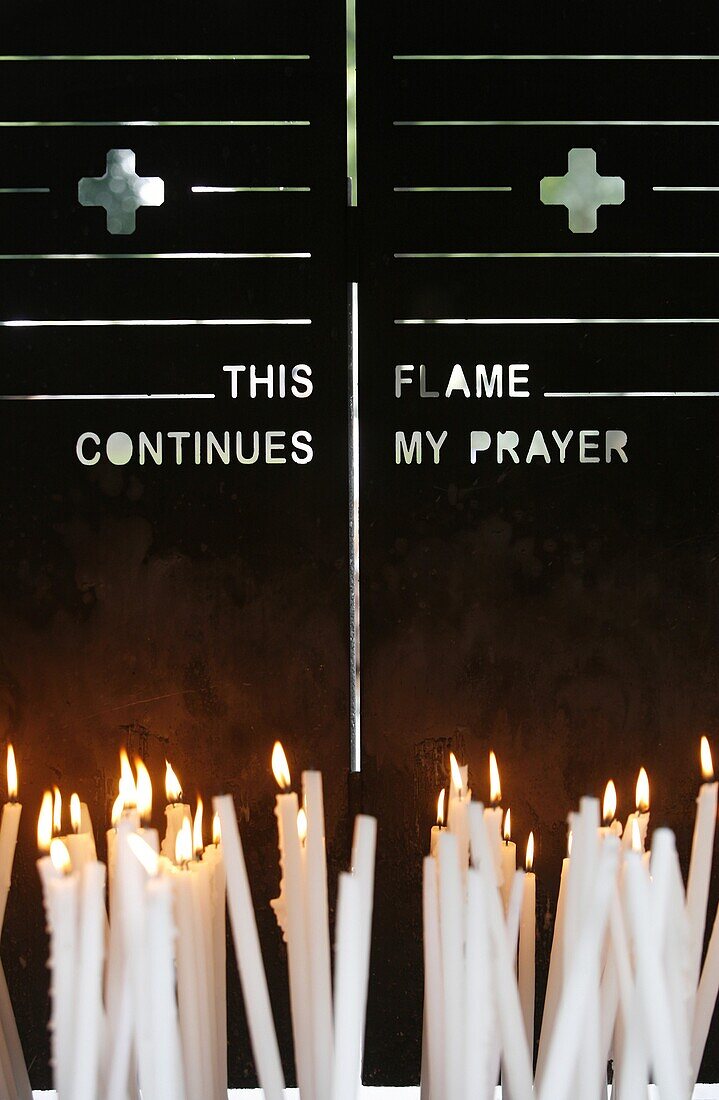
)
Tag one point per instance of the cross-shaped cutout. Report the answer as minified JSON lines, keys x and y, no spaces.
{"x":121,"y":191}
{"x":582,"y":190}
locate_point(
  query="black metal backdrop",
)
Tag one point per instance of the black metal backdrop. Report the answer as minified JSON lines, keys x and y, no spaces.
{"x":562,"y":612}
{"x":199,"y":610}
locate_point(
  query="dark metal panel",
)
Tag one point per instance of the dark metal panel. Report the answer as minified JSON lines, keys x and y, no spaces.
{"x":562,"y":613}
{"x":194,"y":609}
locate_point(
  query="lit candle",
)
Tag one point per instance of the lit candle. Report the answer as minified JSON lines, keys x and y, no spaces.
{"x":190,"y":1007}
{"x":12,"y":1054}
{"x":493,"y":816}
{"x":249,"y":957}
{"x":436,"y":830}
{"x":291,"y":916}
{"x":610,"y":824}
{"x":641,"y":814}
{"x":62,"y":909}
{"x":8,"y":832}
{"x":700,"y":864}
{"x":78,"y":844}
{"x":508,"y":860}
{"x":460,"y":797}
{"x":176,"y":811}
{"x":318,"y":944}
{"x":527,"y":941}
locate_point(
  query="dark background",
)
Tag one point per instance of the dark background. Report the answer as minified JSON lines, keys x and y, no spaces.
{"x":564,"y":616}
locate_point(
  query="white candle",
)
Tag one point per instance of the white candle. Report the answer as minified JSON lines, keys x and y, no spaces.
{"x":129,"y":948}
{"x":213,"y":857}
{"x":527,"y":944}
{"x":433,"y":1081}
{"x":205,"y":974}
{"x":354,"y":927}
{"x":318,"y":933}
{"x":436,"y":830}
{"x":12,"y":1054}
{"x":89,"y":1027}
{"x":460,"y":797}
{"x":700,"y":865}
{"x":347,"y":1007}
{"x":80,"y":845}
{"x":641,"y":814}
{"x":364,"y":845}
{"x":480,"y":1029}
{"x":515,"y":1058}
{"x":176,"y":811}
{"x":292,"y":917}
{"x":190,"y":1005}
{"x":62,"y":907}
{"x":8,"y":834}
{"x":581,"y":983}
{"x":249,"y":958}
{"x":451,"y":927}
{"x":493,"y":817}
{"x":671,"y":1075}
{"x":168,"y":1078}
{"x":508,"y":860}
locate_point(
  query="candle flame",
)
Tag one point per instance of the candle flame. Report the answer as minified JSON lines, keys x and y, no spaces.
{"x":56,"y":810}
{"x":706,"y":759}
{"x":302,"y":825}
{"x":144,"y":790}
{"x":280,"y":767}
{"x":183,"y":843}
{"x":60,"y":856}
{"x":609,"y":807}
{"x":147,"y":856}
{"x":456,"y":774}
{"x":570,"y":839}
{"x":128,"y":786}
{"x":11,"y":774}
{"x":216,"y":830}
{"x":636,"y":836}
{"x":197,"y":842}
{"x":440,"y":808}
{"x":116,"y":812}
{"x":507,"y":827}
{"x":529,"y":861}
{"x":495,"y":787}
{"x":173,"y":787}
{"x":44,"y":823}
{"x":75,"y":812}
{"x":642,"y":792}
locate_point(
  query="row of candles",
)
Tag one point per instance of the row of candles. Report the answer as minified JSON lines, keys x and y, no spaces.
{"x":628,"y":981}
{"x":138,"y":985}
